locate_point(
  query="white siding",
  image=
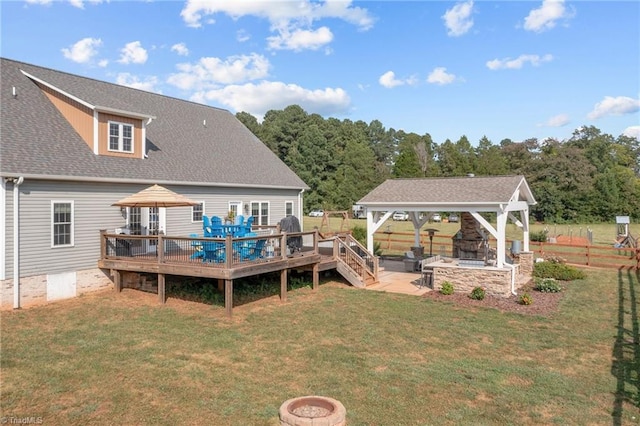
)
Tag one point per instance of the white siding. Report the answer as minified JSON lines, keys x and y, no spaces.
{"x":93,"y":211}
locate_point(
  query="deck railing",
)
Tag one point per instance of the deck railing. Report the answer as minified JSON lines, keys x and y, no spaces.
{"x":201,"y":251}
{"x":355,"y":255}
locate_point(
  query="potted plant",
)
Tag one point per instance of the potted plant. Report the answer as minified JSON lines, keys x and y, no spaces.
{"x":231,"y":216}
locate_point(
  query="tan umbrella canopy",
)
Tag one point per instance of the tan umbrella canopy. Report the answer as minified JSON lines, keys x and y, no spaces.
{"x":155,"y":196}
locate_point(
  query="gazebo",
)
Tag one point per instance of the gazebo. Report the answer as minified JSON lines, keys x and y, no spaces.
{"x":509,"y":197}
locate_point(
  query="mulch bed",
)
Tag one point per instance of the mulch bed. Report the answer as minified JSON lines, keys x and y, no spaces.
{"x":544,"y":304}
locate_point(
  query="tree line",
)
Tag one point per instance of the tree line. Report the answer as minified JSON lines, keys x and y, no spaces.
{"x":591,"y":177}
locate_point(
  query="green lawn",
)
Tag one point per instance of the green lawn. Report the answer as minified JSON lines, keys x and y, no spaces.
{"x":391,"y":359}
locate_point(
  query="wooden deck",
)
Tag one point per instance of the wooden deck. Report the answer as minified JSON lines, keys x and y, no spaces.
{"x":184,"y":256}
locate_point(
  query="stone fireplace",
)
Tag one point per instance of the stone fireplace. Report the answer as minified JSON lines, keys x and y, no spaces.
{"x":468,"y":242}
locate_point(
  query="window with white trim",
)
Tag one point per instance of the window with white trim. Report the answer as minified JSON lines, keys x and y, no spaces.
{"x":61,"y":223}
{"x":197,"y":212}
{"x":288,"y":208}
{"x":120,"y":137}
{"x":260,"y":212}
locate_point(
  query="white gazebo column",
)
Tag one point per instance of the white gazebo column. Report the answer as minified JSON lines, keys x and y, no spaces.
{"x":501,"y":238}
{"x":370,"y":230}
{"x":524,"y":216}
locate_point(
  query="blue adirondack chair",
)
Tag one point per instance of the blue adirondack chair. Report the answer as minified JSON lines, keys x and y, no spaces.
{"x":248,"y":224}
{"x":214,"y":229}
{"x":197,"y":246}
{"x":253,"y":250}
{"x":214,"y":251}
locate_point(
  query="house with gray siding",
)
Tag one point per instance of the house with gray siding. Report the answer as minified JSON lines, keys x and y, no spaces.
{"x":72,"y":146}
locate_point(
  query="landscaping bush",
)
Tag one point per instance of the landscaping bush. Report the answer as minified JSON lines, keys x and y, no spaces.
{"x":360,"y":234}
{"x":559,"y":271}
{"x":547,"y":285}
{"x":525,"y":299}
{"x":478,"y":293}
{"x":447,"y":288}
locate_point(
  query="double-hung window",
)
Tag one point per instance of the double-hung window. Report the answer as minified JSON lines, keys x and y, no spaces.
{"x":120,"y":137}
{"x":288,"y":208}
{"x":196,"y":212}
{"x":61,"y":223}
{"x":260,"y":212}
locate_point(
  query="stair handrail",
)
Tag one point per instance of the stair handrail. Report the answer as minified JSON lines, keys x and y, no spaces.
{"x":367,"y":262}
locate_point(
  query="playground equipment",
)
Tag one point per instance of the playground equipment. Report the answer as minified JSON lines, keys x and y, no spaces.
{"x":344,"y":224}
{"x":623,"y":236}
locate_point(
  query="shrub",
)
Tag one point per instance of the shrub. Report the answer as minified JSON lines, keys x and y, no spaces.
{"x":525,"y":299}
{"x":554,"y":259}
{"x":547,"y":285}
{"x":478,"y":293}
{"x":559,"y":271}
{"x":540,"y":236}
{"x":447,"y":288}
{"x":360,"y":234}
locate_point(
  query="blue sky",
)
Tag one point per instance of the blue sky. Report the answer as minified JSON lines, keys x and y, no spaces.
{"x":508,"y":69}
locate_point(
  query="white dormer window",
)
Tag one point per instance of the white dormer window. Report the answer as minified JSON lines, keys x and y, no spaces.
{"x":120,"y":137}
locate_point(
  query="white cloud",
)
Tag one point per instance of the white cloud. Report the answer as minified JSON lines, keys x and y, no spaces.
{"x":458,"y":19}
{"x":242,"y":36}
{"x":298,"y":39}
{"x":545,"y":17}
{"x":559,"y":120}
{"x":257,"y":99}
{"x":211,"y":72}
{"x":133,"y":53}
{"x":103,"y":63}
{"x":389,"y":80}
{"x":440,"y":76}
{"x":632,"y":132}
{"x":292,"y":22}
{"x":180,"y":49}
{"x":519,"y":62}
{"x":82,"y":51}
{"x":149,"y":83}
{"x":614,"y":106}
{"x":75,"y":3}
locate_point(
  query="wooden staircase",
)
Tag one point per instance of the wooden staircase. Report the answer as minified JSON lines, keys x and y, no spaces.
{"x":354,"y":262}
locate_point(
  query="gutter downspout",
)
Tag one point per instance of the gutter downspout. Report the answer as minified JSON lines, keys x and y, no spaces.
{"x":16,"y":241}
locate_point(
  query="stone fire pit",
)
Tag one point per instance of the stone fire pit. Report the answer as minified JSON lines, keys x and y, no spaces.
{"x":313,"y":411}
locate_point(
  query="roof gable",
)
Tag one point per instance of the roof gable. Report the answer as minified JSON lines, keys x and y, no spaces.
{"x":456,"y":191}
{"x":186,"y":142}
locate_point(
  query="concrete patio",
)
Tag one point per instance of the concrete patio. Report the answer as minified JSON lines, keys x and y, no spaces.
{"x":394,"y":279}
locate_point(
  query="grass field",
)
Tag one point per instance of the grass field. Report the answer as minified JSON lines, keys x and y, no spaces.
{"x":120,"y":358}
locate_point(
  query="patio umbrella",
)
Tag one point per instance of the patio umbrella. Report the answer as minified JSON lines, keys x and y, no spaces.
{"x":155,"y":196}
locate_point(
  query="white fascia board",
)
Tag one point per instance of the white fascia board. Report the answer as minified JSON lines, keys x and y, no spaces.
{"x":524,"y":188}
{"x":516,"y":206}
{"x":124,"y":113}
{"x":96,"y":135}
{"x":432,"y":207}
{"x":52,"y":87}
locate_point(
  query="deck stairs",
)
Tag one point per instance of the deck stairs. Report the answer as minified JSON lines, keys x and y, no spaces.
{"x":354,"y":262}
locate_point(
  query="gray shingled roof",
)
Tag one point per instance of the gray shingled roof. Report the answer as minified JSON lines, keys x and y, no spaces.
{"x":37,"y":141}
{"x":461,"y":191}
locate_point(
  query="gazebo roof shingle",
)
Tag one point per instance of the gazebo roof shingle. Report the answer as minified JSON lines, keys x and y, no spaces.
{"x":449,"y":191}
